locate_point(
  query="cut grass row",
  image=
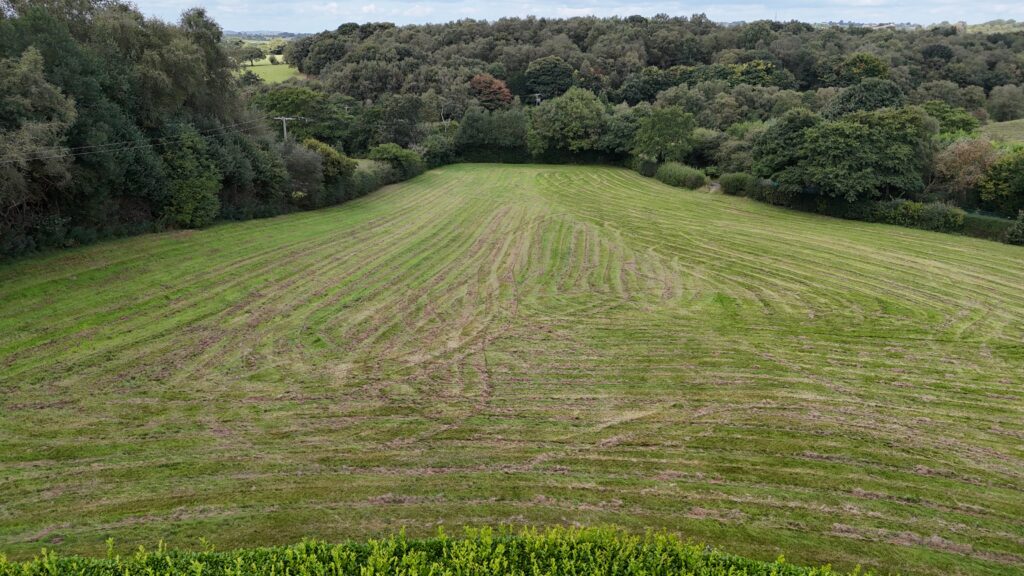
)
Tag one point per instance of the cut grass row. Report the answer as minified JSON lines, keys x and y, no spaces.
{"x":538,"y":345}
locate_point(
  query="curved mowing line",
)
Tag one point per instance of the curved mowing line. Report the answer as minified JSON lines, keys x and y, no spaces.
{"x":540,"y":344}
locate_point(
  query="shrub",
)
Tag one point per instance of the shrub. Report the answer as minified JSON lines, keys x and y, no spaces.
{"x":960,"y":167}
{"x":407,"y":164}
{"x":193,"y":181}
{"x":305,"y":175}
{"x":940,"y":217}
{"x":772,"y":193}
{"x":835,"y":207}
{"x":987,"y":227}
{"x":250,"y":78}
{"x":336,"y":166}
{"x":438,"y":149}
{"x":643,"y":167}
{"x":738,"y":184}
{"x":1003,"y":185}
{"x":369,"y":176}
{"x":932,"y":216}
{"x":681,"y":176}
{"x":1015,"y":233}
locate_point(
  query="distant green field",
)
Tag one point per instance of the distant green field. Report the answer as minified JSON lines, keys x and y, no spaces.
{"x":271,"y":73}
{"x":490,"y":344}
{"x":1012,"y":131}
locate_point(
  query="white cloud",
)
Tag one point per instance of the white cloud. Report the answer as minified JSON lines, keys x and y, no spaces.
{"x":567,"y":12}
{"x":368,"y":8}
{"x":417,"y":11}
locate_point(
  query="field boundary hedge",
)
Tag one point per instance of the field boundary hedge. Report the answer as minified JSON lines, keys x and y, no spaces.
{"x":527,"y":551}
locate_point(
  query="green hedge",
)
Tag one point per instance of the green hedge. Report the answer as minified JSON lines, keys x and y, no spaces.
{"x":1014,"y":234}
{"x":738,"y":184}
{"x":643,"y":167}
{"x":369,"y":176}
{"x":407,"y":163}
{"x":681,"y":176}
{"x":933,"y":216}
{"x":987,"y":227}
{"x":479,"y":552}
{"x":743,"y":184}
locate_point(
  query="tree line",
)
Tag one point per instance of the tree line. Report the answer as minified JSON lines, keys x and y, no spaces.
{"x":831,"y":119}
{"x":113,"y":124}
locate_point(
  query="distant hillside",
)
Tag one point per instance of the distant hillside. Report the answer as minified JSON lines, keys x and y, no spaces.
{"x":262,"y":34}
{"x":1012,"y":131}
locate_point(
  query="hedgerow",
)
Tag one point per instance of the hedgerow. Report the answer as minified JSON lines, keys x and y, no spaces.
{"x":681,"y":176}
{"x":479,"y":552}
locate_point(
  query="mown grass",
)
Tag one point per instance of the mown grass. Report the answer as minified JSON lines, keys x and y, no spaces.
{"x":1012,"y":131}
{"x":271,"y":73}
{"x":494,"y":344}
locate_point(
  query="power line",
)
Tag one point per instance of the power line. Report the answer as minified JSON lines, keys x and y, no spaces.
{"x":118,"y":146}
{"x":284,"y":123}
{"x":200,"y":132}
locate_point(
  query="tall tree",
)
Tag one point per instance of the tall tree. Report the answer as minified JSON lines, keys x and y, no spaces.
{"x":572,"y":122}
{"x":490,"y":92}
{"x":666,"y":134}
{"x":34,"y":121}
{"x":549,"y":76}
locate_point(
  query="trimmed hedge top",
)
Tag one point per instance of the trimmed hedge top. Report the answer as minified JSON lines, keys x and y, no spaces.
{"x":553,"y":551}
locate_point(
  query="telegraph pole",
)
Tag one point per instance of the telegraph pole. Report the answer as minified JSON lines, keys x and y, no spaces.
{"x":284,"y":123}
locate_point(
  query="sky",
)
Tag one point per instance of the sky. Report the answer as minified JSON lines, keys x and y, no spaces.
{"x":317,"y":15}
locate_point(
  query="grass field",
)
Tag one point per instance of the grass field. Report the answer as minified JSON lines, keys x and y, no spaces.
{"x":271,"y":73}
{"x":1012,"y":131}
{"x":492,"y":344}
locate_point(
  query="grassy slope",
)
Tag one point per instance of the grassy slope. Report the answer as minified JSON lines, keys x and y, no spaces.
{"x":525,"y":344}
{"x":1012,"y":131}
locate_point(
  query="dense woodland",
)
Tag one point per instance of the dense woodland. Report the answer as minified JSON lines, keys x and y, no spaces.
{"x":112,"y":124}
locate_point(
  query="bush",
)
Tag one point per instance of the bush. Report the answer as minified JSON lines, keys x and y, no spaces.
{"x":643,"y":167}
{"x":407,"y":164}
{"x":1015,"y":233}
{"x":738,"y":184}
{"x":933,"y":216}
{"x":438,"y":149}
{"x":987,"y":227}
{"x":1002,"y":188}
{"x":369,"y":176}
{"x":336,"y":166}
{"x":681,"y":176}
{"x":305,"y":175}
{"x":940,"y":217}
{"x":193,"y":181}
{"x":773,"y":193}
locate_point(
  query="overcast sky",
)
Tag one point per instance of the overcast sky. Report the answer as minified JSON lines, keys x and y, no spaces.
{"x":317,"y":15}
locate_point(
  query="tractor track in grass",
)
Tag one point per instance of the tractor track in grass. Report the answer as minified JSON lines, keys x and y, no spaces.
{"x":525,"y":344}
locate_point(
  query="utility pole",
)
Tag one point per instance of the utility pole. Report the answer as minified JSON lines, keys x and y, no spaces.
{"x":284,"y":123}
